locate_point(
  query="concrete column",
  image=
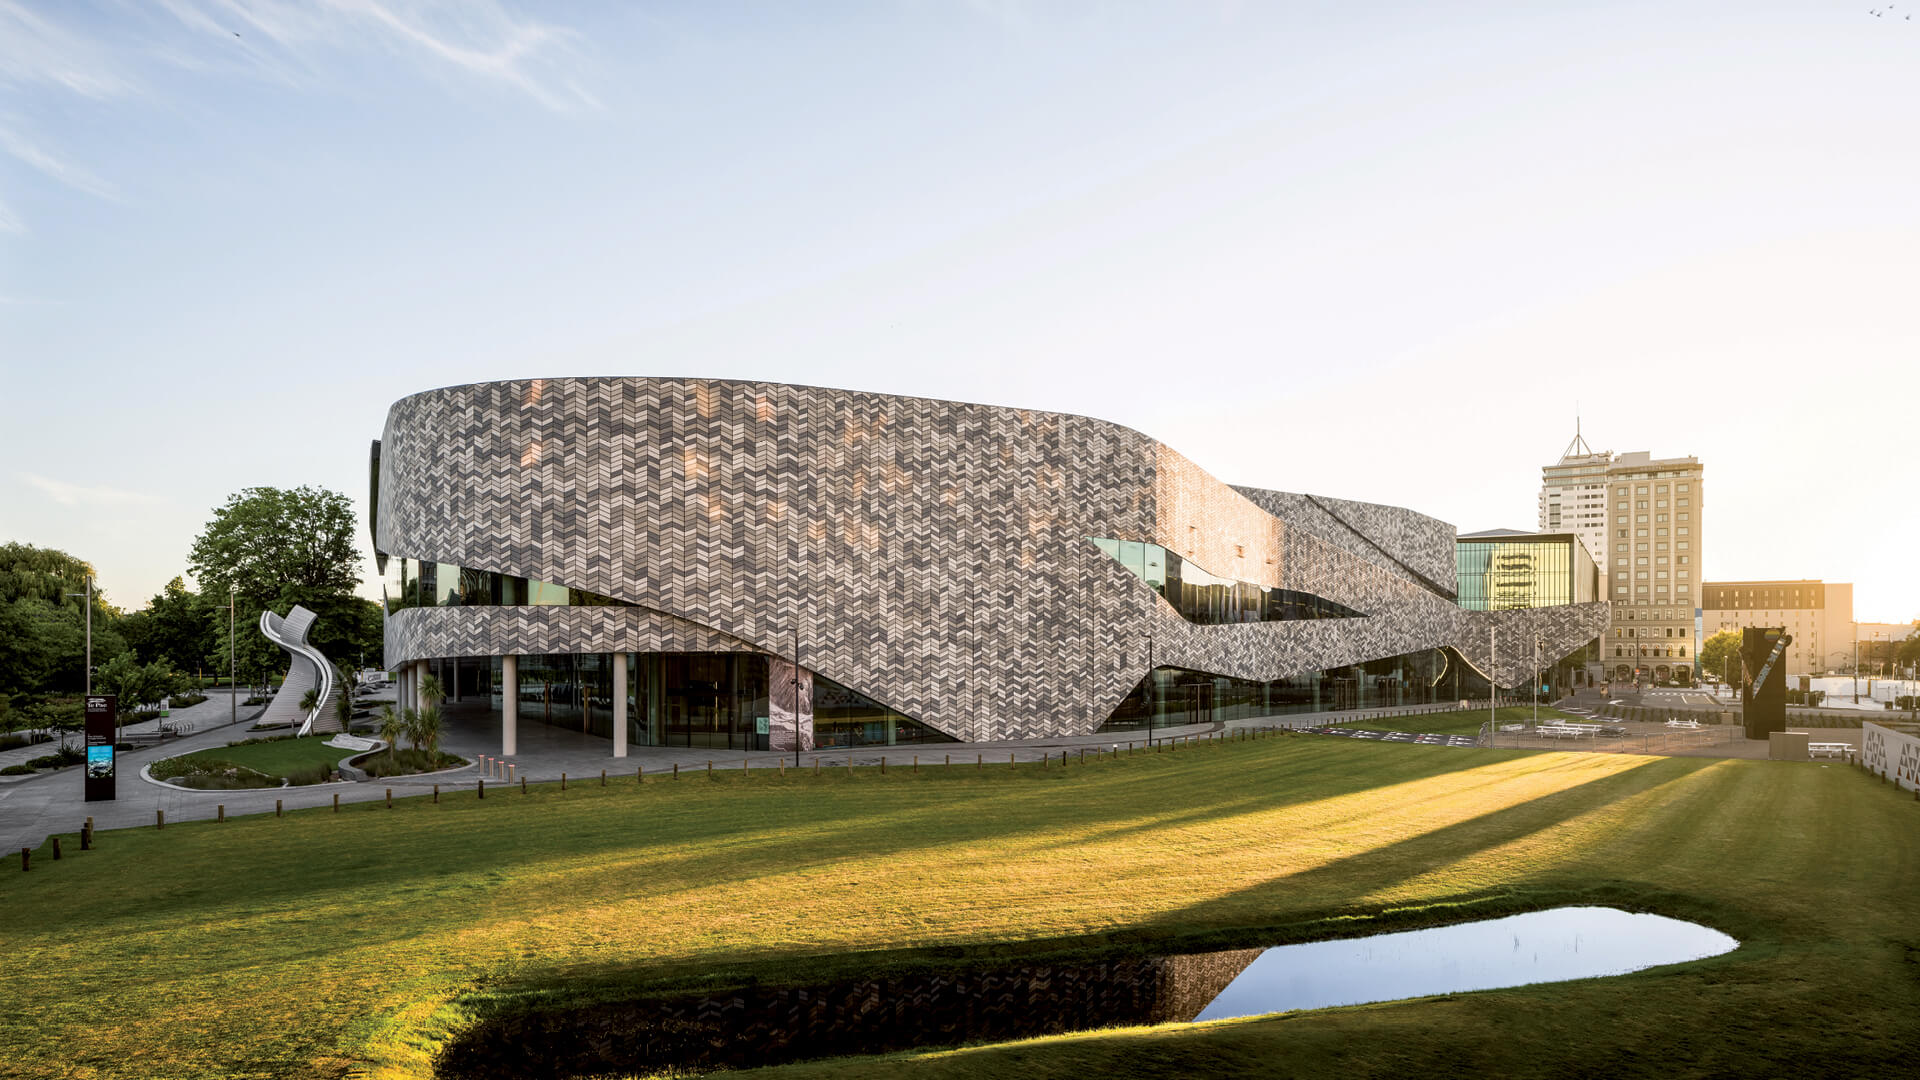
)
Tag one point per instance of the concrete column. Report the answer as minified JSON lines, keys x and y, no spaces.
{"x":454,"y":666}
{"x":403,"y":677}
{"x":619,"y":704}
{"x":419,"y":676}
{"x":509,"y":706}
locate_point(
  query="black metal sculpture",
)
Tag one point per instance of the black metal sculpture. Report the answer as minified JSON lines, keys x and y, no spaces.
{"x":1763,"y":690}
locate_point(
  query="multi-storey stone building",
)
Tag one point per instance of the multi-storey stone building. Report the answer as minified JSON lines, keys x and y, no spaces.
{"x":718,"y":563}
{"x":1640,"y":517}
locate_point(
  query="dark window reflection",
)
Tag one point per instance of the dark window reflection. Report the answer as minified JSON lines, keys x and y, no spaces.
{"x":1209,"y":600}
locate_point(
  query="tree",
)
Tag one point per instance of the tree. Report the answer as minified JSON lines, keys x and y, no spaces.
{"x":43,"y":627}
{"x":393,"y":726}
{"x":177,"y":626}
{"x":1713,"y":654}
{"x":135,"y":683}
{"x":423,"y":728}
{"x":1909,"y":654}
{"x":279,"y":548}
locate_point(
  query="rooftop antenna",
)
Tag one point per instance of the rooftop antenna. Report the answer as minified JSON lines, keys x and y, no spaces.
{"x":1578,"y":447}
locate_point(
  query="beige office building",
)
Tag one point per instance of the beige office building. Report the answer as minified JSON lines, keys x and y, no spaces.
{"x":1817,"y":614}
{"x":1640,"y":516}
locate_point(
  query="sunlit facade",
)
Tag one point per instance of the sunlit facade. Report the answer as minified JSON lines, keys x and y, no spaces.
{"x":644,"y":560}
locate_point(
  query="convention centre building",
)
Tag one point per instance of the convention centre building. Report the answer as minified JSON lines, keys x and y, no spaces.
{"x":703,"y":562}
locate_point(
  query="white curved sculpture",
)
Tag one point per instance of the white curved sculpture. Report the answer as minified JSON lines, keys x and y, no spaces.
{"x":309,"y":669}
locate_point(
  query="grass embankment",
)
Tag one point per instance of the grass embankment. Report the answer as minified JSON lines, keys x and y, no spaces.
{"x":312,"y":944}
{"x":1460,"y":722}
{"x":259,"y":763}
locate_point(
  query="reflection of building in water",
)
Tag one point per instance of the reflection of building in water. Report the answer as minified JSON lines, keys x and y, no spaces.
{"x":1188,"y":984}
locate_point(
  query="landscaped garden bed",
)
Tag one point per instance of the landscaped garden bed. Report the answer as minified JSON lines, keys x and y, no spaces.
{"x":405,"y":762}
{"x":253,"y":763}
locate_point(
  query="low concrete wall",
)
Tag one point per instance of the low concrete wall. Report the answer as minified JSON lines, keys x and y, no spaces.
{"x":1893,"y":754}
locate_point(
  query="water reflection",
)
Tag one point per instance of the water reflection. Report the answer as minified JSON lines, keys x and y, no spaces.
{"x":765,"y":1025}
{"x":1541,"y":946}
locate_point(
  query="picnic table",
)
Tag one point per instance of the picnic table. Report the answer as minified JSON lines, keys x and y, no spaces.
{"x":1836,"y":749}
{"x":1688,"y":724}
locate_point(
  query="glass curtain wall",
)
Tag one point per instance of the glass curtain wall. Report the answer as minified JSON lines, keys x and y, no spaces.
{"x":1179,"y":696}
{"x":409,"y":583}
{"x":1210,"y":600}
{"x":1494,"y":575}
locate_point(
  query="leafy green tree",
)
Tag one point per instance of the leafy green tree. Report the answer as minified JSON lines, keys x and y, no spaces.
{"x":423,"y":728}
{"x":279,"y":548}
{"x":1714,"y":653}
{"x":43,"y":624}
{"x":134,"y":683}
{"x":177,"y":626}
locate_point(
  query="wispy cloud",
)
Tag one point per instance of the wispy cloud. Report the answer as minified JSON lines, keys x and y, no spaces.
{"x":64,"y":171}
{"x":80,"y":495}
{"x":471,"y":37}
{"x":35,"y":50}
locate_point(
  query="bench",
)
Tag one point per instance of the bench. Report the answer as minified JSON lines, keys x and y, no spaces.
{"x":1688,"y":724}
{"x":1835,"y":749}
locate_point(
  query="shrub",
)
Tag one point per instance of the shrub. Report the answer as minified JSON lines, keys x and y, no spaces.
{"x":255,"y":700}
{"x":312,"y":774}
{"x":383,"y":763}
{"x":210,"y":774}
{"x":16,"y":770}
{"x":185,"y":701}
{"x":66,"y":755}
{"x":15,"y":742}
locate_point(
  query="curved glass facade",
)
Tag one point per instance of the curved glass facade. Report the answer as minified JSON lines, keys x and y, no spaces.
{"x":1173,"y":696}
{"x":702,"y":699}
{"x":410,"y":583}
{"x":1209,"y":599}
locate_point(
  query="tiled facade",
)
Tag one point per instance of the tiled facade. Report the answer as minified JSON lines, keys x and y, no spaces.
{"x":933,"y":555}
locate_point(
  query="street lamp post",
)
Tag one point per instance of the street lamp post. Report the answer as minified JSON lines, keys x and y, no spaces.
{"x":87,"y":675}
{"x":1536,"y":680}
{"x":233,"y":666}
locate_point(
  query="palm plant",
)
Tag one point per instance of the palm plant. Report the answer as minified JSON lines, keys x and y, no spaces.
{"x":393,"y":725}
{"x":431,"y":692}
{"x":310,"y":700}
{"x":426,"y":730}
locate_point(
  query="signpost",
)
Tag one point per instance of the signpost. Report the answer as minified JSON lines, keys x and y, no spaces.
{"x":100,"y":734}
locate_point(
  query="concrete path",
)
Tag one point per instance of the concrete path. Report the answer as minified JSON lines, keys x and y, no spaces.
{"x":33,"y":808}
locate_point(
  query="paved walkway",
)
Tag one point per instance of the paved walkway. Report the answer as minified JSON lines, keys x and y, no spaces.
{"x":33,"y":808}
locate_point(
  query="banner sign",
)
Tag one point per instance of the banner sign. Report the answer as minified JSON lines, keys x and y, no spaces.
{"x":100,"y":733}
{"x":789,"y":719}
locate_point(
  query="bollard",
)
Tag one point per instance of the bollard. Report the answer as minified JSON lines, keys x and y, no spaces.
{"x":816,"y":766}
{"x":510,"y":771}
{"x":86,"y":838}
{"x":640,"y":774}
{"x":676,"y":770}
{"x":883,"y":764}
{"x":1083,"y":755}
{"x":481,"y":790}
{"x":389,"y":798}
{"x":949,"y":761}
{"x":277,"y":809}
{"x":1063,"y":758}
{"x":783,"y":768}
{"x":26,"y":857}
{"x":523,"y":785}
{"x":1010,"y":762}
{"x":979,"y":761}
{"x":563,"y":781}
{"x":916,"y":763}
{"x":709,"y":769}
{"x":436,"y":794}
{"x":336,"y":802}
{"x":220,"y":813}
{"x":603,"y":778}
{"x":745,"y":767}
{"x":159,"y":819}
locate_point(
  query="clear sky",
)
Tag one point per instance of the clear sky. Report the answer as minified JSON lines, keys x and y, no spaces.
{"x":1380,"y":251}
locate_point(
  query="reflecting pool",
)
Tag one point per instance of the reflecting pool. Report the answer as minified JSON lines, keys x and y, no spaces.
{"x":760,"y":1024}
{"x":1540,"y":946}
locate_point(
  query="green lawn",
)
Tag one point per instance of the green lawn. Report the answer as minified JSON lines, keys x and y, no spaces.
{"x":278,"y":757}
{"x":322,"y":944}
{"x":1459,"y":722}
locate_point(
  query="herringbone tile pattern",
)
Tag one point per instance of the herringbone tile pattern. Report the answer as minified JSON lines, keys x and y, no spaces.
{"x":932,"y":554}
